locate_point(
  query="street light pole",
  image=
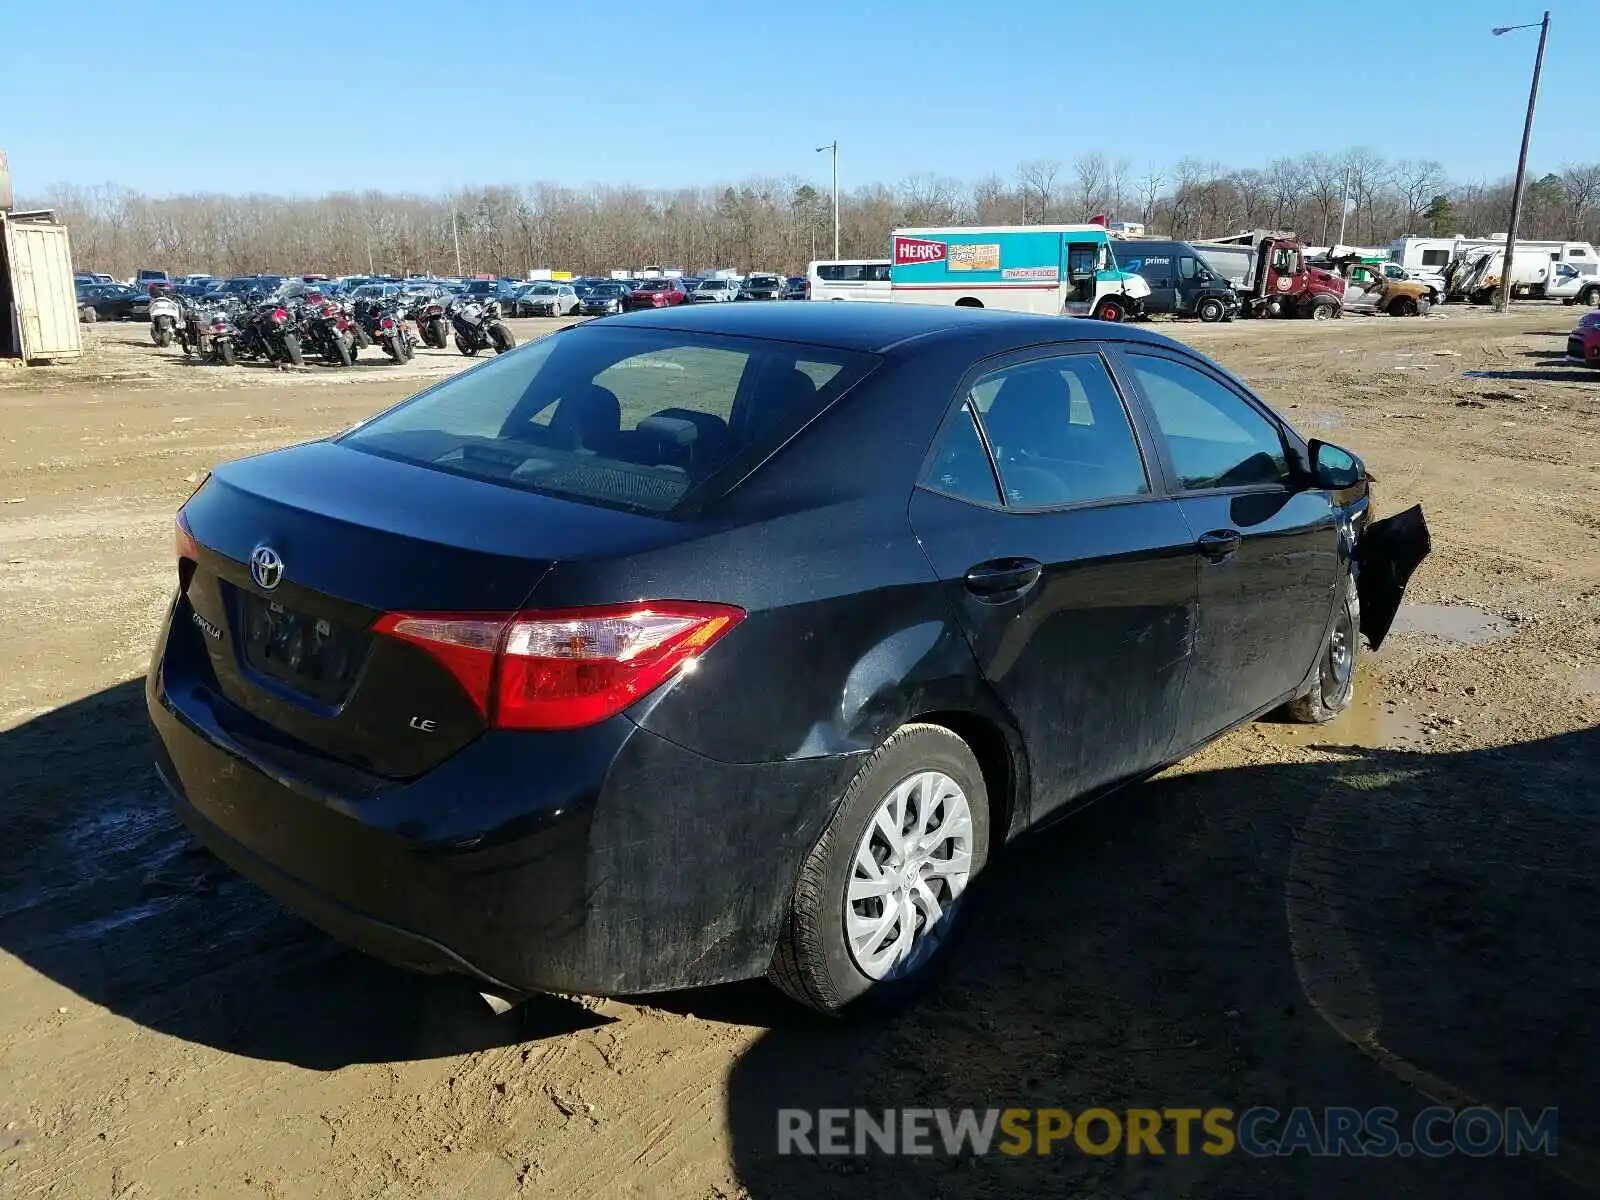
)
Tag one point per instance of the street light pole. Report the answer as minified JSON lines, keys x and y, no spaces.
{"x":834,"y":147}
{"x":1503,"y":301}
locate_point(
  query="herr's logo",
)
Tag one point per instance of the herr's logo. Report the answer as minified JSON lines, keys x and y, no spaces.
{"x":909,"y":250}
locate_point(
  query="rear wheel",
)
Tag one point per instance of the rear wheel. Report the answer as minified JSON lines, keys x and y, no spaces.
{"x":291,"y":347}
{"x":1211,"y":310}
{"x":88,"y":315}
{"x":341,"y":355}
{"x":1590,"y":297}
{"x":1333,"y":685}
{"x":879,"y":895}
{"x":225,"y":353}
{"x":1404,"y":306}
{"x":501,"y":337}
{"x":163,"y":333}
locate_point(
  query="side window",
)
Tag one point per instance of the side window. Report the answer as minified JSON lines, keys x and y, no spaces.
{"x":1187,"y":267}
{"x":1059,"y":432}
{"x":1215,"y":437}
{"x":960,"y":466}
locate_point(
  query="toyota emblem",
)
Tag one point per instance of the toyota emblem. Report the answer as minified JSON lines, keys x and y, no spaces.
{"x":266,"y":568}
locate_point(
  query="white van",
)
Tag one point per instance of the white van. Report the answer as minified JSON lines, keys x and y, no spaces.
{"x":848,"y":279}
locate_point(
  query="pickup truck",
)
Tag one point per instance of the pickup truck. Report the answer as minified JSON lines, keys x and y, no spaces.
{"x":1575,"y":283}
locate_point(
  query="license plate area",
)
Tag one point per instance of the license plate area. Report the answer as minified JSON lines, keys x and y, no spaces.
{"x":311,"y":654}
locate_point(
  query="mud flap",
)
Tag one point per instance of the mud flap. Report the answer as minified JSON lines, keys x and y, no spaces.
{"x":1388,"y":552}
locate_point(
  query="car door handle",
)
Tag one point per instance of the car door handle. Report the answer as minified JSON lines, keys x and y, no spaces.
{"x":1219,"y":545}
{"x":1003,"y":578}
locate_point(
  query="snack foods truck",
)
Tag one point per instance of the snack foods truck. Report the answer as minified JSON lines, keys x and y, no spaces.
{"x":1059,"y":270}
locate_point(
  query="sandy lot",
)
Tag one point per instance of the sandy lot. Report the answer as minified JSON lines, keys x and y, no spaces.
{"x":1401,"y":908}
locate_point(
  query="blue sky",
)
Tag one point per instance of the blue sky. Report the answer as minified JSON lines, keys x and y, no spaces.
{"x":298,"y":97}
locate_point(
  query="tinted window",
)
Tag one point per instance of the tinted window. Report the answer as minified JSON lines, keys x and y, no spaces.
{"x":960,"y":465}
{"x":1215,"y":437}
{"x":1435,"y":258}
{"x":1187,"y":267}
{"x":1059,"y":432}
{"x":633,"y":417}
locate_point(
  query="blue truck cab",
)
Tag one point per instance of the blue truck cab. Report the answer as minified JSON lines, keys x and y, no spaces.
{"x":1059,"y":270}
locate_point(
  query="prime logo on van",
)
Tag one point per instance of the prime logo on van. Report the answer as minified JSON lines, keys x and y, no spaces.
{"x":909,"y":250}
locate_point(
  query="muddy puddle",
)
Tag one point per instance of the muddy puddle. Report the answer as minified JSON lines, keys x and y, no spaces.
{"x":1463,"y":623}
{"x":1373,"y":721}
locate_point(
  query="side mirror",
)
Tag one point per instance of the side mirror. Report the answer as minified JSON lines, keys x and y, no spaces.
{"x":1334,"y":468}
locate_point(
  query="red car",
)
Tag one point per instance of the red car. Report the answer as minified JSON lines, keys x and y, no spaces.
{"x":1583,"y":343}
{"x":656,"y":293}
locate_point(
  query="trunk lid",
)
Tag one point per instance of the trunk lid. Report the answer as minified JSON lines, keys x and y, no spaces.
{"x":302,"y":550}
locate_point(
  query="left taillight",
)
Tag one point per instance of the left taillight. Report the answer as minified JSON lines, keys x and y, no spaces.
{"x":564,"y":669}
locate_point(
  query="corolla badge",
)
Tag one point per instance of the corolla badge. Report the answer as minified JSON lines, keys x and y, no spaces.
{"x":266,"y":568}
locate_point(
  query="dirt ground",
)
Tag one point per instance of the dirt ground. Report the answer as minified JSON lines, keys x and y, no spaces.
{"x":1400,"y":908}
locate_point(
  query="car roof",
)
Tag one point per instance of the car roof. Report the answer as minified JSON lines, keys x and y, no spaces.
{"x":882,"y":328}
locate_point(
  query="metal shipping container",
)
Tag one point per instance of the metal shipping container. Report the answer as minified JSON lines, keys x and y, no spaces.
{"x":38,"y":300}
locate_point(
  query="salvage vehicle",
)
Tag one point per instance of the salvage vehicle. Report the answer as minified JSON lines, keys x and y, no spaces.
{"x":1058,"y":270}
{"x":603,"y":298}
{"x":655,"y":292}
{"x":737,"y":639}
{"x":1369,"y":289}
{"x":1572,"y":283}
{"x":1583,"y":343}
{"x":1181,"y":283}
{"x":762,"y":287}
{"x":545,"y":300}
{"x":109,"y":302}
{"x":714,"y":291}
{"x":1270,"y":271}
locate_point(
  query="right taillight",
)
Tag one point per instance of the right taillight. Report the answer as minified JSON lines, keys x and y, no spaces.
{"x":569,"y":668}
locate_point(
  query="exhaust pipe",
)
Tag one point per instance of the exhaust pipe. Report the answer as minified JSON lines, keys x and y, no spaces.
{"x":499,"y":1005}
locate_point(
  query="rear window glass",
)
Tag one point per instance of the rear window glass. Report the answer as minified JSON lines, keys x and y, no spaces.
{"x":635,"y":418}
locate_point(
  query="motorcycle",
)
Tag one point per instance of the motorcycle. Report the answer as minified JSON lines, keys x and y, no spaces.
{"x":386,"y":327}
{"x":272,"y":331}
{"x":208,"y":334}
{"x":478,"y":326}
{"x":432,"y":324}
{"x":166,"y":316}
{"x":328,"y":331}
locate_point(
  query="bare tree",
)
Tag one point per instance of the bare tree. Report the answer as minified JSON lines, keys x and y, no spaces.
{"x":1091,"y":173}
{"x":1419,"y":180}
{"x":1150,"y":185}
{"x":1037,"y":181}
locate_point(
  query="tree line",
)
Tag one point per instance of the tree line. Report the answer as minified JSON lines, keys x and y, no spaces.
{"x":779,"y":224}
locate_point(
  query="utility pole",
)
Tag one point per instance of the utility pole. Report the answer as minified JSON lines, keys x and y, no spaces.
{"x":455,"y":233}
{"x":1503,"y":300}
{"x":1344,"y":205}
{"x":834,"y":147}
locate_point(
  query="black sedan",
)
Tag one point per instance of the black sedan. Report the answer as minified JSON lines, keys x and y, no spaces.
{"x":599,"y":299}
{"x":763,"y":287}
{"x":112,"y":302}
{"x":731,"y":640}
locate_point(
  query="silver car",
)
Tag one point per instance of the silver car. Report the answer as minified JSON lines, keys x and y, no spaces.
{"x":714,"y":290}
{"x":547,"y":300}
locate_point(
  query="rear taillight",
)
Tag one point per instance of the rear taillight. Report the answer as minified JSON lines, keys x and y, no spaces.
{"x":279,"y":316}
{"x":569,"y":668}
{"x":187,"y":545}
{"x":387,"y":323}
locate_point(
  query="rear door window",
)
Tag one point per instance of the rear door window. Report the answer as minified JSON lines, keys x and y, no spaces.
{"x":635,"y":418}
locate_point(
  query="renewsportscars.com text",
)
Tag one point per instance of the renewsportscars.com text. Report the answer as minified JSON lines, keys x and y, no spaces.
{"x":1260,"y":1131}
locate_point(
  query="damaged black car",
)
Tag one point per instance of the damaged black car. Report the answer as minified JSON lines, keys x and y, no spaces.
{"x":737,"y":640}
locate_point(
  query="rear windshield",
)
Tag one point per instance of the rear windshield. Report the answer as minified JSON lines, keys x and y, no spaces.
{"x":634,"y":418}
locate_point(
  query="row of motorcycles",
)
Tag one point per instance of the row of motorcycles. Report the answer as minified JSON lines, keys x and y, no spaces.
{"x":284,"y":330}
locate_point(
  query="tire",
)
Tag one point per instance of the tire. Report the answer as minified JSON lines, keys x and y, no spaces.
{"x":88,"y":315}
{"x":163,"y":334}
{"x":1403,"y":306}
{"x":1333,"y":685}
{"x":1324,"y":310}
{"x":501,"y":337}
{"x":363,"y":338}
{"x":814,"y":962}
{"x":462,"y":346}
{"x":341,"y":356}
{"x":1211,"y":310}
{"x":394,"y":346}
{"x":1590,"y":297}
{"x":225,"y":353}
{"x":438,"y":336}
{"x":1110,"y":310}
{"x":1482,"y":296}
{"x":291,"y":347}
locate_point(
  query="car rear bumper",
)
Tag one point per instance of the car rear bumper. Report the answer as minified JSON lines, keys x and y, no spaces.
{"x":604,"y":860}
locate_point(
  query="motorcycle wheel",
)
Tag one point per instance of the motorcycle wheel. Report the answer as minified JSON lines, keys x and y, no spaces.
{"x":501,"y":337}
{"x":225,"y":353}
{"x":462,"y":346}
{"x":394,"y":348}
{"x":163,"y":334}
{"x":291,"y":347}
{"x":441,"y":337}
{"x":341,"y":355}
{"x":363,"y":338}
